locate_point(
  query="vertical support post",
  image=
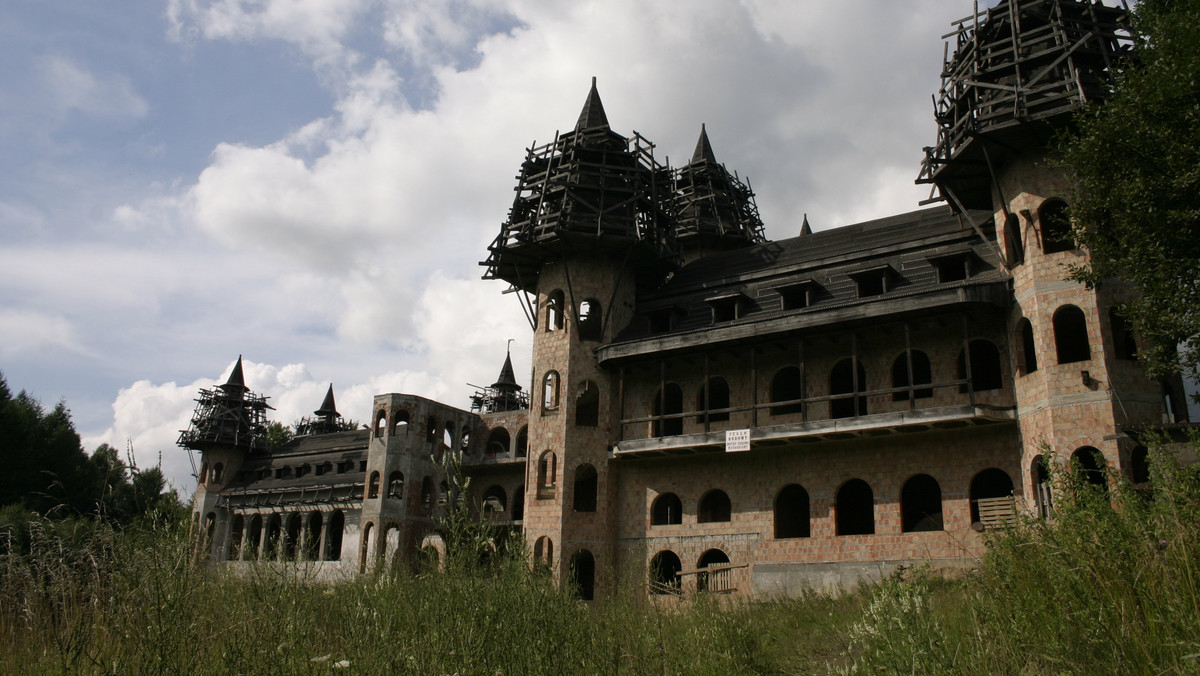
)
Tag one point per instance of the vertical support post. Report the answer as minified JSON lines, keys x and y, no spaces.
{"x":706,"y":393}
{"x":753,"y":386}
{"x":803,"y":380}
{"x":621,"y":404}
{"x":966,"y":341}
{"x":912,"y":394}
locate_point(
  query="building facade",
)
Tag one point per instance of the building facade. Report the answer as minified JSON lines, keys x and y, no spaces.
{"x":709,"y":410}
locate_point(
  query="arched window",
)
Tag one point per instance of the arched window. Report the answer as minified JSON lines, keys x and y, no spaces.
{"x":791,"y":512}
{"x":787,"y":385}
{"x":664,"y":573}
{"x":717,"y":398}
{"x":668,"y":401}
{"x":427,"y":495}
{"x":922,"y":375}
{"x":665,"y":510}
{"x":399,"y":422}
{"x":252,"y":537}
{"x":1043,"y":499}
{"x":921,"y":504}
{"x":464,"y":439}
{"x":714,"y":507}
{"x":713,"y":580}
{"x":543,"y":551}
{"x":235,"y":536}
{"x":845,"y":379}
{"x":312,"y":537}
{"x":518,"y":503}
{"x":497,"y":443}
{"x":431,"y":428}
{"x":1013,"y":245}
{"x":991,"y":497}
{"x":396,"y":485}
{"x":547,"y":472}
{"x":590,"y":319}
{"x":585,"y":488}
{"x":1055,"y":218}
{"x":494,"y":500}
{"x":587,"y":405}
{"x":550,"y":391}
{"x":1124,"y":344}
{"x":380,"y":422}
{"x":523,"y":442}
{"x":855,"y":508}
{"x":554,"y":311}
{"x":1089,"y":465}
{"x":583,"y":574}
{"x":448,"y":434}
{"x":217,"y":470}
{"x":985,"y":367}
{"x":373,"y":485}
{"x":1071,"y":335}
{"x":1028,"y":348}
{"x":333,"y":537}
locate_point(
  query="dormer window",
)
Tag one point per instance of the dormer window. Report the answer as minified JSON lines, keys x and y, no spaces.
{"x":797,"y":295}
{"x":955,"y":267}
{"x":726,"y":307}
{"x":662,"y":320}
{"x":874,"y":281}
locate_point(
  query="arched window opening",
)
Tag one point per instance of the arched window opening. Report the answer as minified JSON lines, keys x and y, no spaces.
{"x":1055,"y":218}
{"x":844,"y":379}
{"x":550,"y":391}
{"x":1028,"y":348}
{"x":664,"y":573}
{"x":291,"y":538}
{"x":523,"y":442}
{"x":992,"y":498}
{"x":586,"y":481}
{"x":497,"y":443}
{"x":253,"y":536}
{"x":791,"y":512}
{"x":713,"y":580}
{"x":204,"y":473}
{"x":1124,"y":344}
{"x":668,"y":401}
{"x":1089,"y":466}
{"x":583,"y":574}
{"x":380,"y":422}
{"x":494,"y":500}
{"x":1071,"y":335}
{"x":217,"y":470}
{"x":590,"y":320}
{"x":366,"y":553}
{"x":1014,"y":247}
{"x":714,"y":507}
{"x":396,"y":485}
{"x":717,"y":393}
{"x":235,"y":536}
{"x":554,"y":311}
{"x":922,"y":375}
{"x":547,"y":474}
{"x":448,"y":435}
{"x":399,"y":422}
{"x":1043,"y":499}
{"x":543,"y":552}
{"x":921,"y":504}
{"x":373,"y":486}
{"x":666,"y":509}
{"x":427,"y":495}
{"x":787,"y":385}
{"x":271,"y":545}
{"x":985,"y":367}
{"x":312,"y":537}
{"x":587,"y":405}
{"x":431,"y":429}
{"x":855,"y":508}
{"x":464,"y":439}
{"x":1139,"y":461}
{"x":333,"y":537}
{"x":518,"y":503}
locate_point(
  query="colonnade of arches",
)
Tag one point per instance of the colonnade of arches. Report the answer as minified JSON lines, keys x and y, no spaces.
{"x":285,"y":536}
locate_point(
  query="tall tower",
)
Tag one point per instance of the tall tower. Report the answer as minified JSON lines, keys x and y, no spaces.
{"x":1015,"y":75}
{"x":228,"y":424}
{"x":714,"y":210}
{"x":588,"y":227}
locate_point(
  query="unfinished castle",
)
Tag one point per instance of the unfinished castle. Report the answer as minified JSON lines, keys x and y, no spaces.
{"x":710,"y":410}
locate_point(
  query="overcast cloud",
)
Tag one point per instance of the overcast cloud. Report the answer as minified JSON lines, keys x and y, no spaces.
{"x":311,"y":183}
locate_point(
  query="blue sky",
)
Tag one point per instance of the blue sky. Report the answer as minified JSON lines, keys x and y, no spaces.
{"x":311,"y":183}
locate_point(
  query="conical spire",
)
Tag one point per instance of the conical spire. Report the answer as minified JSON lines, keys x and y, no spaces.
{"x":507,"y":380}
{"x":328,"y":407}
{"x":593,"y":111}
{"x":704,"y":151}
{"x":804,"y":227}
{"x":235,"y":385}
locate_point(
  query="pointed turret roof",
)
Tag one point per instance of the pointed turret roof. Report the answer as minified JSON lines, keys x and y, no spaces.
{"x":704,"y":151}
{"x":236,"y":383}
{"x":804,"y":227}
{"x":507,"y":380}
{"x":593,"y":111}
{"x":328,"y":407}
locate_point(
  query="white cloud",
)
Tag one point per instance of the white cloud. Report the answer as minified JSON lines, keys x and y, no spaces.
{"x":27,"y":330}
{"x":75,"y":88}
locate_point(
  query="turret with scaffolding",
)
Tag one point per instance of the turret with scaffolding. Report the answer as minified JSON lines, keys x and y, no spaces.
{"x":714,"y":210}
{"x":325,"y":420}
{"x":504,"y":394}
{"x":228,"y":415}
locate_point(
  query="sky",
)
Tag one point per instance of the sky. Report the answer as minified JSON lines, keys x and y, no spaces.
{"x":312,"y":183}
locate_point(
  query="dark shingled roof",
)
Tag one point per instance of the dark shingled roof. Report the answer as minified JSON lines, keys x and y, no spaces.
{"x":259,"y":472}
{"x":592,"y":114}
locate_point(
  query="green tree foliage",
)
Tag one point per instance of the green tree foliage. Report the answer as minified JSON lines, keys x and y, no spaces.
{"x":1135,"y":161}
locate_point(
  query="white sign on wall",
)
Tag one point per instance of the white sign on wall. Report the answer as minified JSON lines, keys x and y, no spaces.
{"x":737,"y":440}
